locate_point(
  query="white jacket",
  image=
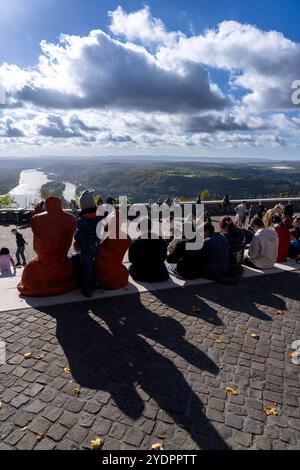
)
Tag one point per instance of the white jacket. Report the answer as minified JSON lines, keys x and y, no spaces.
{"x":263,"y":249}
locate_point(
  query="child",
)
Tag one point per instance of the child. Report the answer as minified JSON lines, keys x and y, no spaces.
{"x":20,"y":247}
{"x":6,"y":261}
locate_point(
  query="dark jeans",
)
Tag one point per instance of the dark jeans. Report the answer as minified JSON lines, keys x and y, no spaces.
{"x":88,"y":273}
{"x":20,"y":253}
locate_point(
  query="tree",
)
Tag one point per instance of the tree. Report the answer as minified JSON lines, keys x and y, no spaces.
{"x":205,"y":196}
{"x":6,"y":201}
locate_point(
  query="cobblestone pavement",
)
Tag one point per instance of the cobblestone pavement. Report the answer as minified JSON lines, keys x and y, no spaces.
{"x":146,"y":369}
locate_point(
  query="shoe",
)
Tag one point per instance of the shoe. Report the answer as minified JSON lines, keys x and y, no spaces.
{"x":18,"y":265}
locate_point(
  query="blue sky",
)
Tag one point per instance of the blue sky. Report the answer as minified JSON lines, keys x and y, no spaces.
{"x":238,"y":106}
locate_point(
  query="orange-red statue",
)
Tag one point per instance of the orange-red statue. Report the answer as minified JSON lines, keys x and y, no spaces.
{"x":109,"y":269}
{"x":51,"y":272}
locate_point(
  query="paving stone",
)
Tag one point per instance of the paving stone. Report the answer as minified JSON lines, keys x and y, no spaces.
{"x":234,"y":421}
{"x":39,"y":425}
{"x":57,"y":432}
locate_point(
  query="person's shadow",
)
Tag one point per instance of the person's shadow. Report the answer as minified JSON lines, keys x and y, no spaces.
{"x":116,"y":351}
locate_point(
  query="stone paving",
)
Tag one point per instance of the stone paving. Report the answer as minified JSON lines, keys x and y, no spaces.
{"x":150,"y":368}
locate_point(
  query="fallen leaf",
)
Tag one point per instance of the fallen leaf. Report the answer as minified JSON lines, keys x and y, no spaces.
{"x":218,"y":341}
{"x":221,"y":366}
{"x":97,"y":444}
{"x":291,"y":354}
{"x":157,"y":446}
{"x":184,"y":338}
{"x":231,"y":391}
{"x":271,"y":411}
{"x":24,"y":429}
{"x":280,"y":312}
{"x":1,"y":404}
{"x":210,"y":320}
{"x":67,"y":370}
{"x":255,"y":336}
{"x":40,"y":437}
{"x":39,"y":358}
{"x":28,"y":355}
{"x":77,"y":391}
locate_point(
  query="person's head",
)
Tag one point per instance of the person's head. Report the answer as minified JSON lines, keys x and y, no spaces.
{"x":276,"y":220}
{"x":279,"y":209}
{"x":14,"y":231}
{"x":296,"y":222}
{"x":228,"y":227}
{"x":209,"y":230}
{"x":111,"y":201}
{"x":245,"y":203}
{"x":99,"y":201}
{"x":294,"y":234}
{"x":257,"y":224}
{"x":4,"y":251}
{"x":87,"y":200}
{"x":290,"y":202}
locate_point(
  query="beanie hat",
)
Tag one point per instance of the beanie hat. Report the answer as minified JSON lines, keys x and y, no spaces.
{"x":87,"y":199}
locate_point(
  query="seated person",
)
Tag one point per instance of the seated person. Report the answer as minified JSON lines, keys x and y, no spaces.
{"x":296,"y":226}
{"x":277,"y":210}
{"x":284,"y":238}
{"x":147,"y":256}
{"x":294,"y":249}
{"x":211,"y":261}
{"x":263,"y":249}
{"x":6,"y":262}
{"x":238,"y":239}
{"x":51,"y":272}
{"x":109,"y":268}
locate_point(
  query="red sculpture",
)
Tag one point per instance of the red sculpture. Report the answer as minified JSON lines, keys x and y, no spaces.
{"x":109,"y":269}
{"x":51,"y":272}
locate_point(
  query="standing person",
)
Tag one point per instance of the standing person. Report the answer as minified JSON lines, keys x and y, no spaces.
{"x":261,"y":210}
{"x":75,"y":208}
{"x":252,"y":211}
{"x":6,"y":261}
{"x":225,"y":204}
{"x":263,"y":249}
{"x":241,"y":214}
{"x":20,"y":253}
{"x":289,"y":210}
{"x":284,"y":238}
{"x":87,"y":240}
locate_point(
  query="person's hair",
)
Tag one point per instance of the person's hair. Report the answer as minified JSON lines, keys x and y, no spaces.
{"x":294,"y":233}
{"x":4,"y":251}
{"x":227,"y":223}
{"x":276,"y":219}
{"x":14,"y":230}
{"x":257,"y":222}
{"x":209,"y":228}
{"x":110,"y":200}
{"x":297,"y":219}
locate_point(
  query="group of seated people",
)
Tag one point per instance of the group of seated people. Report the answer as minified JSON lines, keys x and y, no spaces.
{"x":99,"y":262}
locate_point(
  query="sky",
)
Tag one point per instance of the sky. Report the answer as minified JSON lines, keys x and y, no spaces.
{"x":192,"y":77}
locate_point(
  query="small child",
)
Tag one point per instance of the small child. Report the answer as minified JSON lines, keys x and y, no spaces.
{"x":6,"y":261}
{"x":20,"y":247}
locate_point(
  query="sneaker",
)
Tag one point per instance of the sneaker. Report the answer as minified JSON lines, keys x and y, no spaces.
{"x":18,"y":265}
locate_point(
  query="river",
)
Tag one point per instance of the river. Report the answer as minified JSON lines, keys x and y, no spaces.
{"x":30,"y":183}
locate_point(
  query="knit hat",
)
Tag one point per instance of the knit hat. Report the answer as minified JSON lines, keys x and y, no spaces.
{"x":87,"y":199}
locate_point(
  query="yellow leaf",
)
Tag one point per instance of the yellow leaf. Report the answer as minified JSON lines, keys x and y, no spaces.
{"x":97,"y":444}
{"x":67,"y":370}
{"x":28,"y":355}
{"x":184,"y":338}
{"x":231,"y":391}
{"x":280,"y":312}
{"x":218,"y":341}
{"x":291,"y":354}
{"x":221,"y":366}
{"x":271,"y":411}
{"x":77,"y":391}
{"x":24,"y":429}
{"x":157,"y":446}
{"x":39,"y":358}
{"x":40,"y":437}
{"x":255,"y":336}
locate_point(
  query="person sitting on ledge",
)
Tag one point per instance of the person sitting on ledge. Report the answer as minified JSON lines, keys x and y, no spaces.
{"x":284,"y":238}
{"x":87,"y":240}
{"x":294,"y":249}
{"x":6,"y":261}
{"x":211,"y":261}
{"x":147,"y":256}
{"x":238,"y":239}
{"x":263,"y":249}
{"x":296,"y":226}
{"x":51,"y":272}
